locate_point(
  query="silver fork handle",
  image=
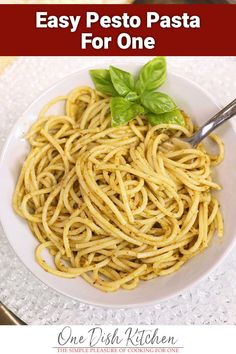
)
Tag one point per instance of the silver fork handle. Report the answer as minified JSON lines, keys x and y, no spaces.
{"x":8,"y":318}
{"x":219,"y":118}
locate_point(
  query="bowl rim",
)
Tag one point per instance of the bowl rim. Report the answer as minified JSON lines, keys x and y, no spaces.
{"x":4,"y":149}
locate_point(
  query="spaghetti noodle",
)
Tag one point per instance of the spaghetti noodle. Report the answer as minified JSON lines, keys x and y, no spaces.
{"x":115,"y":205}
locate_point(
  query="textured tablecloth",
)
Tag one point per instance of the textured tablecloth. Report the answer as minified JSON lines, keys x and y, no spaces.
{"x":212,"y":301}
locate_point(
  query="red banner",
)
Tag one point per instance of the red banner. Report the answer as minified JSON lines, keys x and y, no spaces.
{"x":117,"y":30}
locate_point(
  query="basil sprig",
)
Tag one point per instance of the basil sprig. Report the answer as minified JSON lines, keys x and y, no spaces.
{"x":122,"y":111}
{"x":102,"y":81}
{"x":122,"y":81}
{"x":173,"y":117}
{"x":157,"y":102}
{"x":131,"y":98}
{"x":152,"y":75}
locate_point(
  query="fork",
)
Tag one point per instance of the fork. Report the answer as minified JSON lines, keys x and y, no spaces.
{"x":219,"y":118}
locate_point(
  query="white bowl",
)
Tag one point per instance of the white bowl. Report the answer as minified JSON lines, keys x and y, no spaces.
{"x":196,"y":103}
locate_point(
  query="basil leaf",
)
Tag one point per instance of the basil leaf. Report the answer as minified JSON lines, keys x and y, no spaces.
{"x":132,"y":96}
{"x":152,"y":75}
{"x":173,"y":117}
{"x":122,"y":81}
{"x":157,"y":102}
{"x":102,"y":81}
{"x":122,"y":111}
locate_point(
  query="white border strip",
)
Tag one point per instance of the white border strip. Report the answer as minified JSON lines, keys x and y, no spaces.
{"x":117,"y":339}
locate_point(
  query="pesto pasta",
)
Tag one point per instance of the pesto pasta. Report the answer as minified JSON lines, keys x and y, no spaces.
{"x":115,"y":205}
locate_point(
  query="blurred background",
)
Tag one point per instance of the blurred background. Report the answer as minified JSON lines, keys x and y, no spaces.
{"x":185,"y":1}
